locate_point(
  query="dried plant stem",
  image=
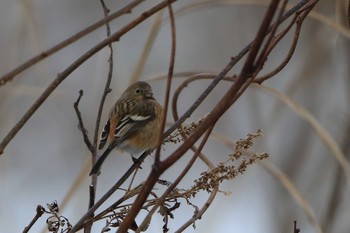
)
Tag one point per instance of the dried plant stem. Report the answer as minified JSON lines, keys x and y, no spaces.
{"x":284,"y":180}
{"x":80,"y":223}
{"x":147,"y":48}
{"x":325,"y":137}
{"x":298,"y":197}
{"x":81,"y":123}
{"x":62,"y":76}
{"x":168,"y":84}
{"x":39,"y":212}
{"x":249,"y":68}
{"x":161,"y":199}
{"x":12,"y":74}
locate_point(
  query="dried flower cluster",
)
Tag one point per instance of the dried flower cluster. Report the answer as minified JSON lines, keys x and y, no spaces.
{"x":227,"y":170}
{"x":208,"y":180}
{"x":116,"y":218}
{"x":56,"y":223}
{"x":236,"y":164}
{"x":182,"y":132}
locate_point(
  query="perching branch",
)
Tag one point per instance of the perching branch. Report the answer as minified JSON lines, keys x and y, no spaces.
{"x":62,"y":76}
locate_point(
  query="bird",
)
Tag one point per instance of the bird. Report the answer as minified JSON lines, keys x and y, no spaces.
{"x":133,"y":124}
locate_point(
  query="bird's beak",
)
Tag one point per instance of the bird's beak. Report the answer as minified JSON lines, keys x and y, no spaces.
{"x":149,"y":95}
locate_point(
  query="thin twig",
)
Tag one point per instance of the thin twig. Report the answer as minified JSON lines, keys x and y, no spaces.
{"x":212,"y":117}
{"x":39,"y":212}
{"x":262,"y":58}
{"x":324,"y":135}
{"x":168,"y":84}
{"x":139,"y":67}
{"x":298,"y":20}
{"x":10,"y":75}
{"x":295,"y":228}
{"x":93,"y":185}
{"x":116,"y":186}
{"x":109,"y":78}
{"x":62,"y":76}
{"x":349,"y":13}
{"x":81,"y":123}
{"x":226,"y":69}
{"x":295,"y":193}
{"x":161,"y":199}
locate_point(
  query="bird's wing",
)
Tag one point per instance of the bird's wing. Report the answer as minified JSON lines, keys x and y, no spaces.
{"x":125,"y":128}
{"x":104,"y":135}
{"x":130,"y":123}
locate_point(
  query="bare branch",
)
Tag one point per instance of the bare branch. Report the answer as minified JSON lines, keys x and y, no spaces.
{"x":10,"y":75}
{"x":62,"y":76}
{"x":81,"y":123}
{"x":39,"y":212}
{"x":168,"y":86}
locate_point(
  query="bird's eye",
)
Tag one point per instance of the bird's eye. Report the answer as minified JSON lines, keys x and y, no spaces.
{"x":138,"y":91}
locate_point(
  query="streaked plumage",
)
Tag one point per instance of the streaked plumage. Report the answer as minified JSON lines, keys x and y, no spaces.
{"x":134,"y":120}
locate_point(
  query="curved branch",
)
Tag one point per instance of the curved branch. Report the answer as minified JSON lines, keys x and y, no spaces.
{"x":168,"y":84}
{"x":161,"y":199}
{"x":11,"y":75}
{"x":62,"y":76}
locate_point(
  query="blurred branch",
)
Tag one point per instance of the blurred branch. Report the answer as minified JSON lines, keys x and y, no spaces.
{"x":284,"y":181}
{"x":80,"y":224}
{"x":333,"y":205}
{"x":11,"y":75}
{"x":258,"y":50}
{"x":295,"y":193}
{"x":295,"y":228}
{"x":228,"y":99}
{"x":147,"y":48}
{"x":62,"y":76}
{"x":39,"y":212}
{"x":313,"y":14}
{"x":323,"y":134}
{"x":349,"y":13}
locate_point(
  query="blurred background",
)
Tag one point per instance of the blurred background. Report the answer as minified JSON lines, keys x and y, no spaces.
{"x":44,"y":161}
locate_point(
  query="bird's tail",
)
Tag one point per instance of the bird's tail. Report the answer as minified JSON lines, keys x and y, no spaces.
{"x":97,"y":166}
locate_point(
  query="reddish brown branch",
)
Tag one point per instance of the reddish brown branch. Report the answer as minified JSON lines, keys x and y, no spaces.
{"x":227,"y":100}
{"x":161,"y":199}
{"x":168,"y":84}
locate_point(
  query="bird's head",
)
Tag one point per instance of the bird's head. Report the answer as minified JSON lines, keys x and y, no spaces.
{"x":139,"y":90}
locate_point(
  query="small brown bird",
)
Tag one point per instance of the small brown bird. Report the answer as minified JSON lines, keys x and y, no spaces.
{"x":133,"y":123}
